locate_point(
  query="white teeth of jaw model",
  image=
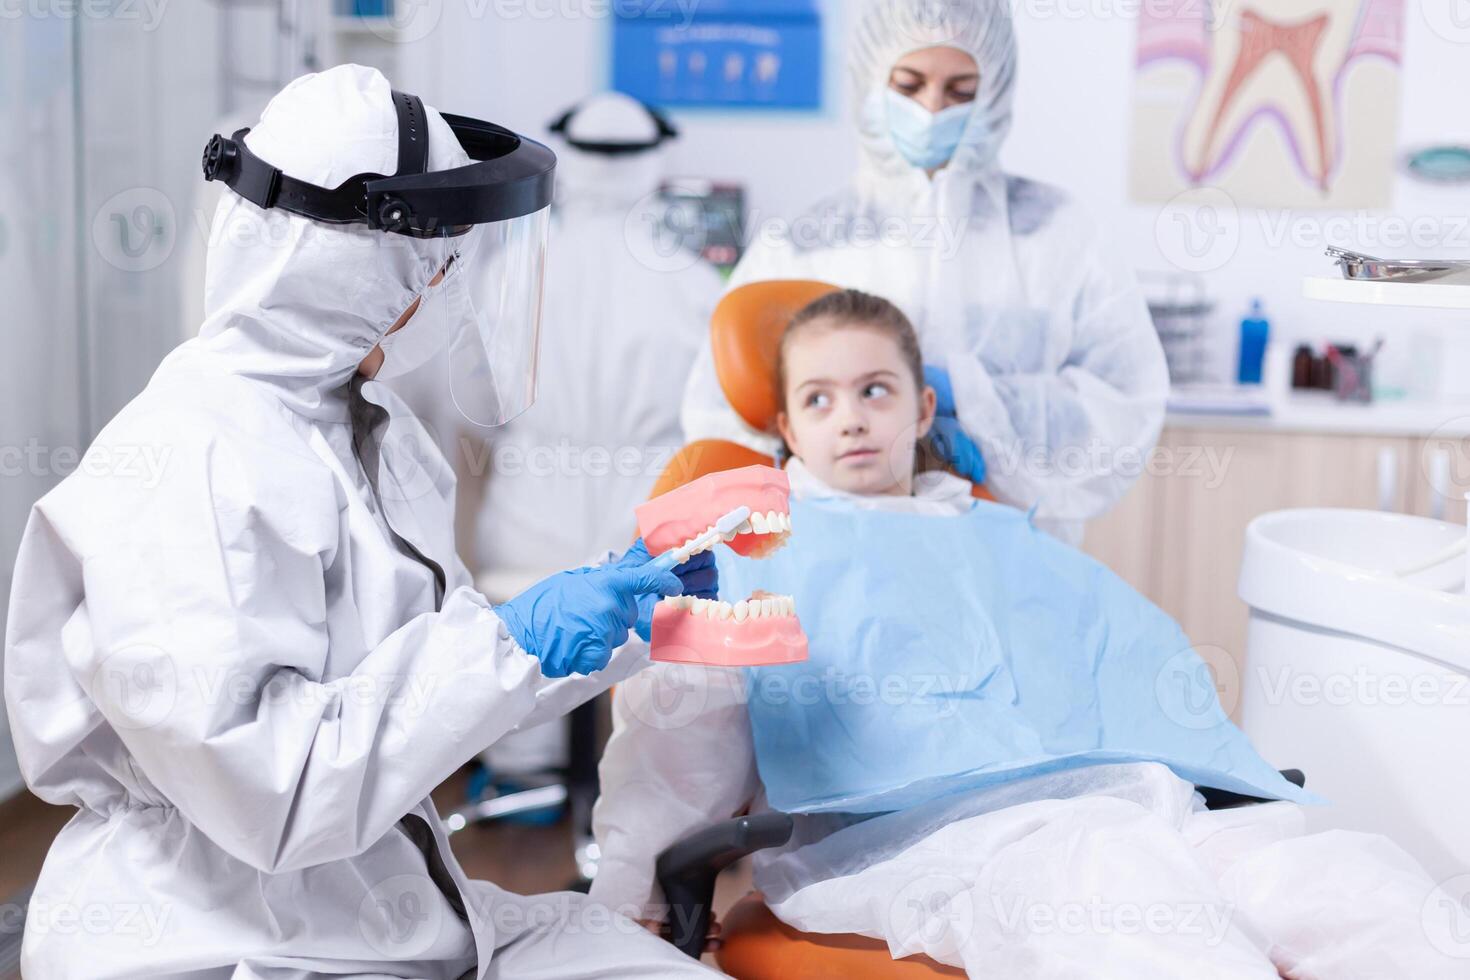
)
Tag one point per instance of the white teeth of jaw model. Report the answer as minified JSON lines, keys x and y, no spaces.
{"x":773,"y":524}
{"x":762,"y":607}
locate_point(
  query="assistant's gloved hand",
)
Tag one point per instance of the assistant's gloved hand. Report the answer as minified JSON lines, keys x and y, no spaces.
{"x":573,"y":621}
{"x":698,"y":576}
{"x":949,"y":440}
{"x":957,"y":449}
{"x":938,"y":378}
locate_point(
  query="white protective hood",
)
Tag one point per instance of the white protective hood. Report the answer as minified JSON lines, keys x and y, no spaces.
{"x":299,"y":314}
{"x":890,"y":29}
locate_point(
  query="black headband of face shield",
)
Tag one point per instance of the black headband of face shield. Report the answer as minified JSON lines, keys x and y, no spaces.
{"x":666,"y":131}
{"x":510,"y":177}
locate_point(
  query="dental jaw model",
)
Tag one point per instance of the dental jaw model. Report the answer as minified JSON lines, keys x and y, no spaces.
{"x":761,"y":630}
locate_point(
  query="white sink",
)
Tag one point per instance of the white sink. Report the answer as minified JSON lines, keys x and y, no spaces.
{"x":1359,"y":678}
{"x":1334,"y":569}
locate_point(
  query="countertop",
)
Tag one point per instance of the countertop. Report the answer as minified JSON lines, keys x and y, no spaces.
{"x":1320,"y":412}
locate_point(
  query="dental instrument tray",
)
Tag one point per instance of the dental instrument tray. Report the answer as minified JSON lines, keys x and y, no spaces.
{"x":1358,"y":266}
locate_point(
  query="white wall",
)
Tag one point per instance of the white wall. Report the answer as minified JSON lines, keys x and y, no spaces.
{"x":41,"y":396}
{"x":524,"y":72}
{"x":1072,"y":128}
{"x":104,"y":119}
{"x":1073,"y":122}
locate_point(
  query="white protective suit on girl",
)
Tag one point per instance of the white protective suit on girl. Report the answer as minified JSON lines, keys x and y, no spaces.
{"x":1057,"y":370}
{"x":1108,"y":871}
{"x":241,"y":645}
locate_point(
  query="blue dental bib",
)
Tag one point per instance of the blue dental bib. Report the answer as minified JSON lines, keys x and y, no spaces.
{"x":954,"y":653}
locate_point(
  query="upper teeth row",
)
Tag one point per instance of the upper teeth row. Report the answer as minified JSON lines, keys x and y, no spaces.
{"x":764,"y":608}
{"x":771,"y":522}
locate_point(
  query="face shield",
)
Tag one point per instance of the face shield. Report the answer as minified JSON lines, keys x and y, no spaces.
{"x":492,"y":303}
{"x":495,"y":212}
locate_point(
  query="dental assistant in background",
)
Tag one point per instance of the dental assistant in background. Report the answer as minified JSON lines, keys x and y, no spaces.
{"x":1050,"y":378}
{"x":248,"y":674}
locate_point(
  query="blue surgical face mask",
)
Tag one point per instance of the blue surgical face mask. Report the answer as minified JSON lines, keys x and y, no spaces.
{"x":927,"y":140}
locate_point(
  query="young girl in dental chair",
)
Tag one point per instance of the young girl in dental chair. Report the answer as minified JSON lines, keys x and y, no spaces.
{"x":993,"y":751}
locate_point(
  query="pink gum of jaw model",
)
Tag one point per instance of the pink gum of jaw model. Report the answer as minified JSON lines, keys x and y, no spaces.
{"x":681,"y":636}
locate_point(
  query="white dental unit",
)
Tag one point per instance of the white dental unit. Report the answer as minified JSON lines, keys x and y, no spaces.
{"x":1357,"y":666}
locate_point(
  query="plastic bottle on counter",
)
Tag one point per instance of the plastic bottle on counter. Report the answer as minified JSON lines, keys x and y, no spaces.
{"x":1301,"y":367}
{"x":1255,"y":331}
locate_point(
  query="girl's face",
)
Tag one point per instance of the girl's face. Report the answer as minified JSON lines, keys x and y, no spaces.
{"x":936,"y":78}
{"x":854,"y":413}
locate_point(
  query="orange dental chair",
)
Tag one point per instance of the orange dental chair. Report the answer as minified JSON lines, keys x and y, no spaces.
{"x":745,"y":333}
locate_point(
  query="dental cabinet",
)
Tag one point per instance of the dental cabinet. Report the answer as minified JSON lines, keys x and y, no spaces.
{"x":1179,"y":534}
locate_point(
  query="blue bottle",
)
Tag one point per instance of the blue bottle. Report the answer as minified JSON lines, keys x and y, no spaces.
{"x":1255,"y":330}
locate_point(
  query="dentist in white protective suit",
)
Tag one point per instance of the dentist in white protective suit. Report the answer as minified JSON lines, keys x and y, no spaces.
{"x":248,"y":669}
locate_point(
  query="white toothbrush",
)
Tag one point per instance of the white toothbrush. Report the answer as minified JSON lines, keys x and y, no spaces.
{"x":725,"y":525}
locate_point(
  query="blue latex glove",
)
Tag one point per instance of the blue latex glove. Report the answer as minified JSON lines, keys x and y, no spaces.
{"x":957,"y":449}
{"x":949,"y":440}
{"x":938,"y":379}
{"x":573,"y":621}
{"x":698,"y":576}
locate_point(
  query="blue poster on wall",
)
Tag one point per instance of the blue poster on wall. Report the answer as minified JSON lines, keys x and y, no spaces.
{"x":720,"y":53}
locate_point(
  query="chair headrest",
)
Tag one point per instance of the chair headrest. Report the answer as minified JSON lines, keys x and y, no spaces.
{"x":745,"y":333}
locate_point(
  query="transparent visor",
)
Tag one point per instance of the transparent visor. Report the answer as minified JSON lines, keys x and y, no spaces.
{"x":493,"y":302}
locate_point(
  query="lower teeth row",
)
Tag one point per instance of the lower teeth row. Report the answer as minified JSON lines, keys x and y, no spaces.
{"x":764,"y":608}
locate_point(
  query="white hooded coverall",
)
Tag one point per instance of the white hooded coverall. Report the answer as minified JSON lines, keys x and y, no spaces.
{"x":242,"y":646}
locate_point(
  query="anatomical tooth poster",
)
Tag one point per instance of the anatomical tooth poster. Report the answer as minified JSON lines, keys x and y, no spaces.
{"x":1279,"y":103}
